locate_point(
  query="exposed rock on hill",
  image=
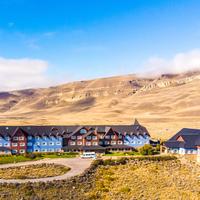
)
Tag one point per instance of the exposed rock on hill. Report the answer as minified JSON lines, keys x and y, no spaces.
{"x":164,"y":104}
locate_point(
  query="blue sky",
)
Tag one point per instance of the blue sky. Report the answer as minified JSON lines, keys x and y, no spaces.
{"x":59,"y":41}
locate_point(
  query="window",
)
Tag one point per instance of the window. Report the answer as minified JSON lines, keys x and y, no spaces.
{"x":112,"y":136}
{"x":22,"y":151}
{"x":21,"y":138}
{"x":37,"y":150}
{"x":44,"y":150}
{"x":100,"y":142}
{"x":7,"y":138}
{"x":58,"y":143}
{"x":88,"y":143}
{"x":57,"y":150}
{"x":44,"y":143}
{"x":45,"y":137}
{"x":107,"y":142}
{"x":72,"y":143}
{"x":194,"y":152}
{"x":37,"y":137}
{"x":51,"y":150}
{"x":22,"y":144}
{"x":51,"y":143}
{"x":139,"y":142}
{"x":14,"y":151}
{"x":6,"y":144}
{"x":83,"y":131}
{"x":37,"y":143}
{"x":120,"y":137}
{"x":79,"y":137}
{"x":15,"y":138}
{"x":133,"y":142}
{"x":95,"y":143}
{"x":107,"y":136}
{"x":29,"y":144}
{"x":29,"y":137}
{"x":14,"y":144}
{"x":113,"y":142}
{"x":73,"y":137}
{"x":88,"y":137}
{"x":1,"y":144}
{"x":79,"y":143}
{"x":94,"y":137}
{"x":120,"y":142}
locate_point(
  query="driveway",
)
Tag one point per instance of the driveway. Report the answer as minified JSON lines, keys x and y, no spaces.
{"x":77,"y":165}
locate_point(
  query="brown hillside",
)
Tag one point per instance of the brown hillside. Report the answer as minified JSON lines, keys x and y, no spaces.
{"x":164,"y":104}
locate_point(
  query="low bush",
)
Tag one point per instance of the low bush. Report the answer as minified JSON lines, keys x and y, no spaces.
{"x":147,"y":149}
{"x":30,"y":155}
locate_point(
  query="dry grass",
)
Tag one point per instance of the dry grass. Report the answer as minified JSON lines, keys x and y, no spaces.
{"x":136,"y":180}
{"x":164,"y":108}
{"x":33,"y":171}
{"x":162,"y":180}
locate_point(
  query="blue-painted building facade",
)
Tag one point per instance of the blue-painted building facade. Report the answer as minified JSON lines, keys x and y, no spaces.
{"x":32,"y":139}
{"x":44,"y":144}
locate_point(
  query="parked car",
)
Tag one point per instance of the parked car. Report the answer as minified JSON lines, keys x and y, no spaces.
{"x":89,"y":155}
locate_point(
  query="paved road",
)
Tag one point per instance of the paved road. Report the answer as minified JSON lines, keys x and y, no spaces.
{"x":77,"y":165}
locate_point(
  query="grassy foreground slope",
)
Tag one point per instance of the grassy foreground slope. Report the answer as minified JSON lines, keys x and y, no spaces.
{"x":143,"y":180}
{"x":137,"y":179}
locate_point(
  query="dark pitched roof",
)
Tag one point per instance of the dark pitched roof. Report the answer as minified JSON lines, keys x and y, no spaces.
{"x":191,"y":139}
{"x":54,"y":130}
{"x":98,"y":147}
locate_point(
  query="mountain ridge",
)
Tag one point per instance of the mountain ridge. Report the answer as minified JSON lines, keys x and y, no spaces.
{"x":171,"y":99}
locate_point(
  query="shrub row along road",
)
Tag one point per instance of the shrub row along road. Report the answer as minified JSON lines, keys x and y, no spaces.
{"x":77,"y":165}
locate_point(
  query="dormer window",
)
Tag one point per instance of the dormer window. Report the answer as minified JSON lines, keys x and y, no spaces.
{"x":79,"y":137}
{"x":107,"y":137}
{"x":112,"y":136}
{"x":180,"y":139}
{"x":73,"y":137}
{"x":94,"y":137}
{"x":88,"y":137}
{"x":83,"y":131}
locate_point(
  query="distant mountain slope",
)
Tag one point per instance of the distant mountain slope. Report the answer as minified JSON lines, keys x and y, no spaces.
{"x":164,"y":104}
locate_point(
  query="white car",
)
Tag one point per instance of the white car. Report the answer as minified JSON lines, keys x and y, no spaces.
{"x":89,"y":155}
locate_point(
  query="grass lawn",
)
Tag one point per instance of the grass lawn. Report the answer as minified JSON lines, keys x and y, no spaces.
{"x":4,"y":159}
{"x":33,"y":171}
{"x":60,"y":155}
{"x":15,"y":159}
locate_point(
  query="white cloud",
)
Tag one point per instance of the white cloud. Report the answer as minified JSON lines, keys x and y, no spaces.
{"x":22,"y":73}
{"x":181,"y":62}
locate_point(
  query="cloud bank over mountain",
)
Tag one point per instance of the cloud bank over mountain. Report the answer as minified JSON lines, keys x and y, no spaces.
{"x":22,"y":73}
{"x":180,"y":63}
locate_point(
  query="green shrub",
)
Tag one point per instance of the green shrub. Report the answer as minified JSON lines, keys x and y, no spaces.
{"x":147,"y":149}
{"x":30,"y":155}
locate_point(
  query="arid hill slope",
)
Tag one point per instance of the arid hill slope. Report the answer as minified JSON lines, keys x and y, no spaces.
{"x":164,"y":104}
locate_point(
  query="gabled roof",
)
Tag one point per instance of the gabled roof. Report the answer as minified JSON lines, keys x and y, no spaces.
{"x":191,"y":139}
{"x":67,"y":131}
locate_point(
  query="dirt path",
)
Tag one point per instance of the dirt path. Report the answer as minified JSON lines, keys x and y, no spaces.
{"x":77,"y":166}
